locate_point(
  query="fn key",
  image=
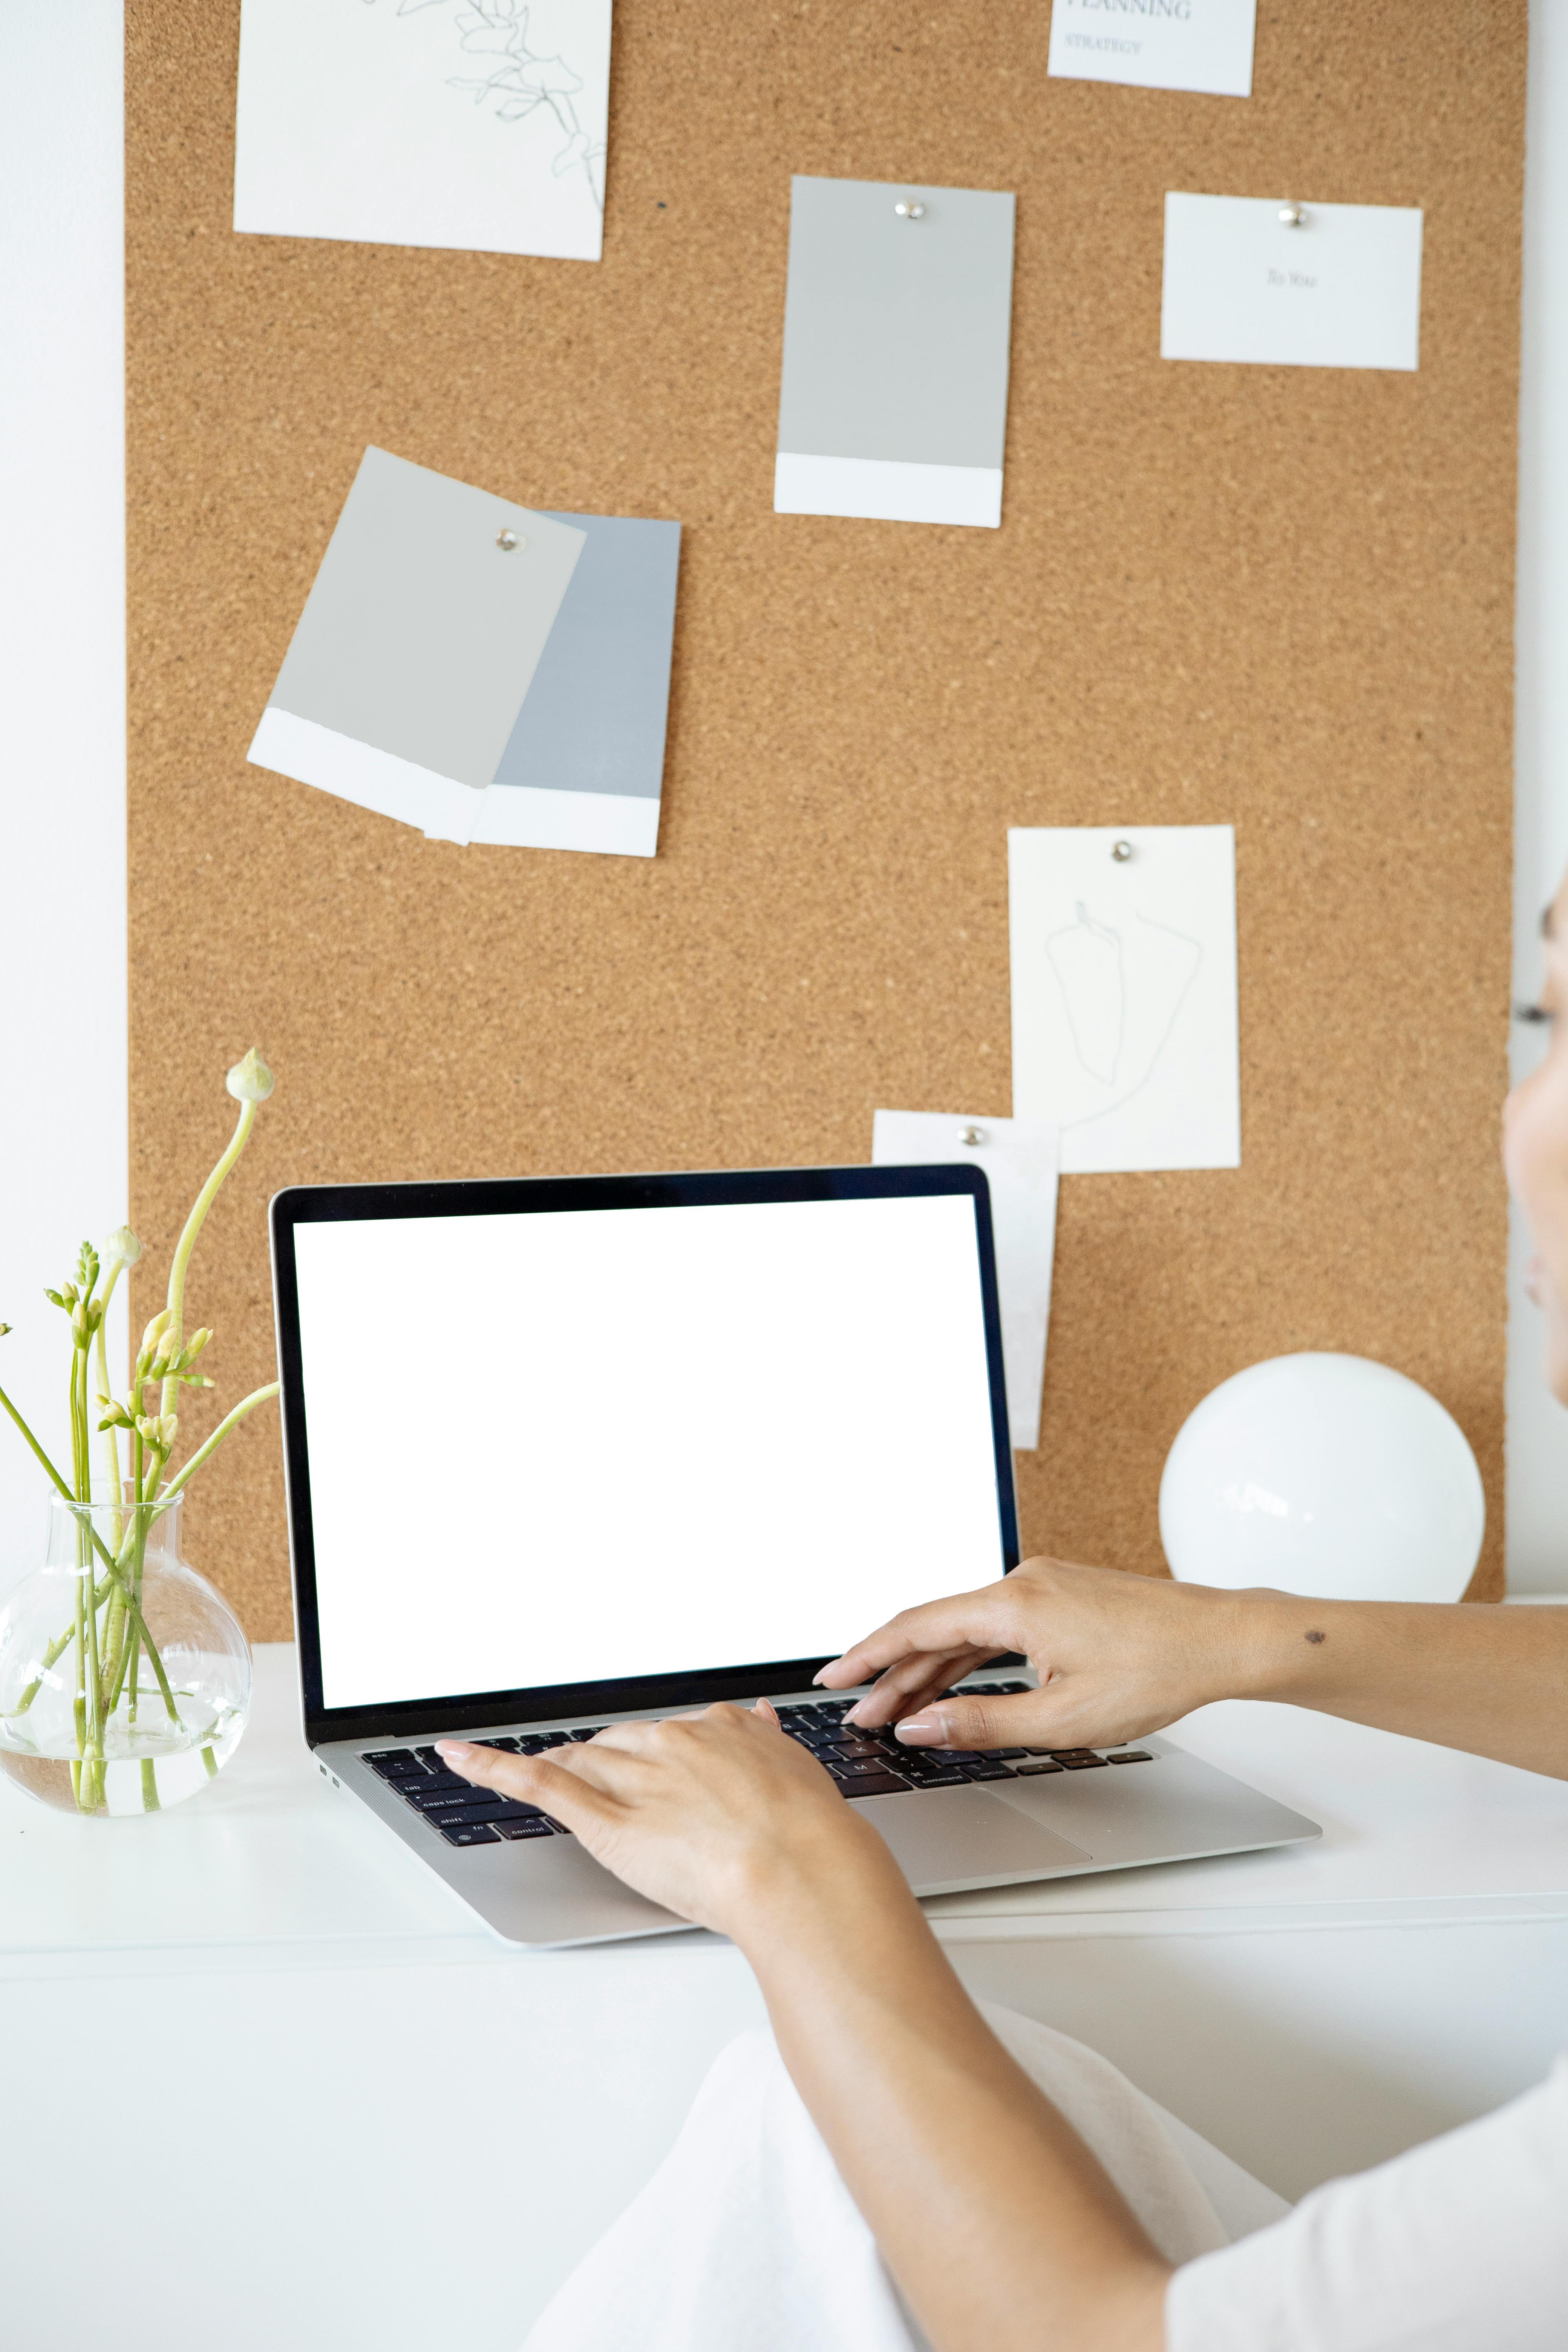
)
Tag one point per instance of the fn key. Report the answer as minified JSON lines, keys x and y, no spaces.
{"x":471,"y":1834}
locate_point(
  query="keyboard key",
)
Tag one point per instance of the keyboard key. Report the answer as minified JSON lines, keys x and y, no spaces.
{"x":560,"y":1828}
{"x":954,"y":1779}
{"x":1044,"y":1765}
{"x":855,"y":1768}
{"x":1083,"y":1763}
{"x":429,"y":1758}
{"x":471,"y":1834}
{"x":987,"y":1771}
{"x":510,"y":1745}
{"x":1068,"y":1755}
{"x":1005,"y":1755}
{"x":853,"y":1748}
{"x":1130,"y":1756}
{"x":538,"y":1827}
{"x":876,"y":1784}
{"x":483,"y":1809}
{"x":391,"y":1761}
{"x":434,"y":1797}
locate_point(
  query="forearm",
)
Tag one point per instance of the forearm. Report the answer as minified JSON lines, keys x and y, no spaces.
{"x":1493,"y":1680}
{"x":988,"y":2209}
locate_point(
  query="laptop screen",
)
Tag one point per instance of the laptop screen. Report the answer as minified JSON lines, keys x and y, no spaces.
{"x":564,"y":1447}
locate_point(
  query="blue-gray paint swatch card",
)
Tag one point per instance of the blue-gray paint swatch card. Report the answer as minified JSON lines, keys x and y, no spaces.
{"x":893,"y":400}
{"x":482,"y":670}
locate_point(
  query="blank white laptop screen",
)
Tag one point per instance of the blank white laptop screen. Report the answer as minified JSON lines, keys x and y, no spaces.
{"x":573,"y":1446}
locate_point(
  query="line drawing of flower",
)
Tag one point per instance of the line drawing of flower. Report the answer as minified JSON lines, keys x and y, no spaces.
{"x":522,"y":80}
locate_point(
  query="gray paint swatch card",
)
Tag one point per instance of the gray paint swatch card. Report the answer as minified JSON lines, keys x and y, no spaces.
{"x":454,"y":641}
{"x":594,"y":719}
{"x":898,"y":316}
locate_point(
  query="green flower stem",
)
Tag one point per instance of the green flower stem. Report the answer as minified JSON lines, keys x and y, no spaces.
{"x":150,"y":1803}
{"x":110,"y":1437}
{"x":55,"y":1480}
{"x":187,"y":1241}
{"x":229,"y":1421}
{"x":156,"y":1663}
{"x":138,"y":1468}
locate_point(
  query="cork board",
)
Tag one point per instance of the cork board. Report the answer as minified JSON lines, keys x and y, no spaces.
{"x":1280,"y":598}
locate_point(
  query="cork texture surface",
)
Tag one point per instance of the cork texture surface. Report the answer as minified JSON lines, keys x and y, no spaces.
{"x":1278,"y":598}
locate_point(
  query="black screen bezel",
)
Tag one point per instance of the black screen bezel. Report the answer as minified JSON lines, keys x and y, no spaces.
{"x":331,"y":1203}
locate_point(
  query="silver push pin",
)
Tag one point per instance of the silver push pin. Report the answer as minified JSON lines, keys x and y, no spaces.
{"x":506,"y":541}
{"x":1122,"y":851}
{"x":909,"y":211}
{"x":1293,"y":215}
{"x":971,"y":1135}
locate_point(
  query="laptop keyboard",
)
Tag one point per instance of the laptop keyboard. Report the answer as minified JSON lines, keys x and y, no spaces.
{"x":863,"y":1763}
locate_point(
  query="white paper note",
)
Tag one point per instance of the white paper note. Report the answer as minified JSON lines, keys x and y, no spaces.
{"x":1203,"y":44}
{"x":472,"y":123}
{"x":1124,"y":994}
{"x":1019,"y":1159}
{"x":1340,"y":288}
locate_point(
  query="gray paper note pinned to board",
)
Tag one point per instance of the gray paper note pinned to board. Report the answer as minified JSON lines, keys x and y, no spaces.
{"x":594,"y":716}
{"x":421,"y":633}
{"x":893,"y":396}
{"x":454,"y":642}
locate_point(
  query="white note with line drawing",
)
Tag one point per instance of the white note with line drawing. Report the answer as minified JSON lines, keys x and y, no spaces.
{"x":1125,"y":992}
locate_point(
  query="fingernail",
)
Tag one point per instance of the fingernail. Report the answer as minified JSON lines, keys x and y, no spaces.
{"x":459,"y":1748}
{"x":817,"y":1679}
{"x":923,"y":1729}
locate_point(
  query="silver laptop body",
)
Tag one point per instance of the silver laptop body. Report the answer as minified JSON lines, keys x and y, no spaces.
{"x":562,"y":1452}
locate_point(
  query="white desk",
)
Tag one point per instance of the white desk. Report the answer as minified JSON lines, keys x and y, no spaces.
{"x":401,"y":2133}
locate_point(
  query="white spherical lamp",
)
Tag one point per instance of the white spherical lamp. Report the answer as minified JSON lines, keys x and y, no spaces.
{"x":1323,"y":1475}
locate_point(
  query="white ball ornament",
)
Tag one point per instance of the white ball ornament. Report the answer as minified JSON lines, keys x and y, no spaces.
{"x":1323,"y":1475}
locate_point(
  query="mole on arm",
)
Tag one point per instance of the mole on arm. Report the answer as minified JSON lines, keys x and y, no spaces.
{"x":1317,"y":1637}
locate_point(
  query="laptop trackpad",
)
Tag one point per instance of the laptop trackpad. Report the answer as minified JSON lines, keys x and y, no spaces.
{"x":950,"y":1837}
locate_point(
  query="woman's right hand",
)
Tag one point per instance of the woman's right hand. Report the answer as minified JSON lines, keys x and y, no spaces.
{"x":1117,"y":1656}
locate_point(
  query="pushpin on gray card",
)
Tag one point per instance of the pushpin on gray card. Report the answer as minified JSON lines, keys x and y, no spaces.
{"x":453,"y":642}
{"x":1019,"y":1157}
{"x":893,"y":398}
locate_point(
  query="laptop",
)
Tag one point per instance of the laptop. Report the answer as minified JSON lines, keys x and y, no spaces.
{"x":567,"y":1451}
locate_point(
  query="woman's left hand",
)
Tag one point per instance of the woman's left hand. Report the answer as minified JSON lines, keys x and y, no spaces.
{"x":699,"y":1812}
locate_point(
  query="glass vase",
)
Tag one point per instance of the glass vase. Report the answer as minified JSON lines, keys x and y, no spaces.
{"x":124,"y":1678}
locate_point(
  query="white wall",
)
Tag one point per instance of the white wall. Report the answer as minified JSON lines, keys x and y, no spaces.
{"x":1537,"y":1426}
{"x":63,"y":1104}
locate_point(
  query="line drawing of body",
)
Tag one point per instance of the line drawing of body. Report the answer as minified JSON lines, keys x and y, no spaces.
{"x":522,"y":80}
{"x":1122,"y":992}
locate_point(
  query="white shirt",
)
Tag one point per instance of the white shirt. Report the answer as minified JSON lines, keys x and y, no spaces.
{"x":1462,"y":2245}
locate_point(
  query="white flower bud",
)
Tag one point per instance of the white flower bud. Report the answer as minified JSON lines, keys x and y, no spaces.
{"x":121,"y":1247}
{"x":250,"y":1080}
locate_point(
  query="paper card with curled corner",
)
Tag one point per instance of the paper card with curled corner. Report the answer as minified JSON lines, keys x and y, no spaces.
{"x":482,"y":670}
{"x":1196,"y":45}
{"x":474,"y":124}
{"x":1125,"y":992}
{"x":1280,"y":282}
{"x":1019,"y":1157}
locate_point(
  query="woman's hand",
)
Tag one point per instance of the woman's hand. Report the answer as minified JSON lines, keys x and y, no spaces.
{"x":699,"y":1812}
{"x":1117,"y":1656}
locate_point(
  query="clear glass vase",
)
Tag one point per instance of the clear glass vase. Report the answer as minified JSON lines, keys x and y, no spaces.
{"x":124,"y":1678}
